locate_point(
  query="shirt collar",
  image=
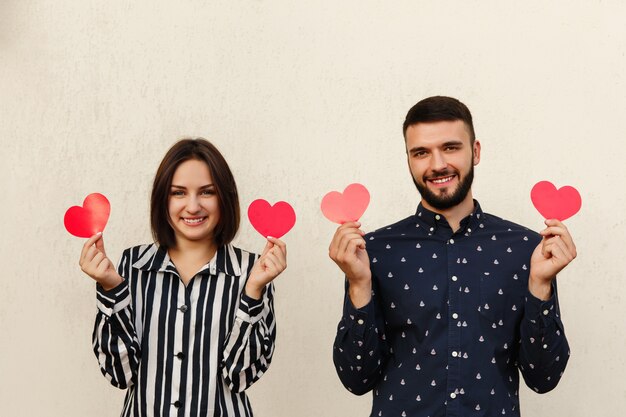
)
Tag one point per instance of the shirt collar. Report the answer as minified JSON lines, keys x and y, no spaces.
{"x":432,"y":222}
{"x":155,"y":258}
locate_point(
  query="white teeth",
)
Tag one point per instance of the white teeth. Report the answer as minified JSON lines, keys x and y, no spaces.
{"x":442,"y":180}
{"x":194,"y":221}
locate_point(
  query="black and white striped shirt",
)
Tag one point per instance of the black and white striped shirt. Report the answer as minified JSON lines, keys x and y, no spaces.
{"x":184,"y":351}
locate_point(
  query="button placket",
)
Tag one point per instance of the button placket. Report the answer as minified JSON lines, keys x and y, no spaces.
{"x":454,"y":332}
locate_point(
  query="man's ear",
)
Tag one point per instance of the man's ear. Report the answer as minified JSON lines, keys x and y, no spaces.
{"x":476,"y":152}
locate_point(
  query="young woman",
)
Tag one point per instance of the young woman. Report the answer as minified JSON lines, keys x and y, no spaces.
{"x":186,"y":324}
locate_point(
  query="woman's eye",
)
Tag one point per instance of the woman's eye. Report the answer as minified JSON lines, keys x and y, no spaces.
{"x":208,"y":192}
{"x":178,"y":193}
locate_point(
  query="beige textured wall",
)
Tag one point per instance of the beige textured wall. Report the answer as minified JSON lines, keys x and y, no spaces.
{"x":302,"y":98}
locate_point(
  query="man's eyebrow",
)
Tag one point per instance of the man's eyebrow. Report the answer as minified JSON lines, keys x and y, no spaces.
{"x":453,"y":142}
{"x":417,"y":149}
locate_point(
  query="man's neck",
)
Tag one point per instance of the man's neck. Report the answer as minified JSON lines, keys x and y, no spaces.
{"x":455,"y":214}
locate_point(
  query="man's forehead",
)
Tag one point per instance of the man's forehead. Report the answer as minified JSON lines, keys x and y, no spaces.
{"x":441,"y":131}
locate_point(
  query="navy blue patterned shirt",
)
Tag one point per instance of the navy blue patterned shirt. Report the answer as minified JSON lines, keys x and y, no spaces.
{"x":451,"y":320}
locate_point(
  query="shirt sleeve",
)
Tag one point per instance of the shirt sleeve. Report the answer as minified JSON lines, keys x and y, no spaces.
{"x":544,"y":350}
{"x":360,"y":350}
{"x":115,"y":342}
{"x":249,"y":348}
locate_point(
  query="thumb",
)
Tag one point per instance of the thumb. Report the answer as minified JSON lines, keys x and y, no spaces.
{"x":100,"y":245}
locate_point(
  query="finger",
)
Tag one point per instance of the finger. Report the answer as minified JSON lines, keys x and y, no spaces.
{"x":553,"y":230}
{"x":91,"y":252}
{"x":562,"y":233}
{"x":90,"y":262}
{"x":279,"y":243}
{"x":97,"y":259}
{"x":561,"y":252}
{"x":89,"y":243}
{"x":349,"y":227}
{"x":100,"y":244}
{"x":276,"y":256}
{"x":267,"y":247}
{"x":545,"y":246}
{"x":275,"y":243}
{"x":103,"y":266}
{"x":553,"y":222}
{"x":345,"y":249}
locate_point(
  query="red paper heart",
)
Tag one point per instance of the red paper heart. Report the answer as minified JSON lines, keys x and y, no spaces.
{"x":558,"y":204}
{"x":270,"y":220}
{"x":348,"y":206}
{"x":89,"y":219}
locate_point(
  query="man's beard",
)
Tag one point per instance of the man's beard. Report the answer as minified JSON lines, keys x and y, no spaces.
{"x":446,"y":201}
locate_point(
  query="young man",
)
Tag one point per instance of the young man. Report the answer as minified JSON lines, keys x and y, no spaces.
{"x":443,"y":308}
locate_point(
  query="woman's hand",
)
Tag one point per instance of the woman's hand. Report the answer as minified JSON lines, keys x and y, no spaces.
{"x":272,"y":262}
{"x":94,"y":262}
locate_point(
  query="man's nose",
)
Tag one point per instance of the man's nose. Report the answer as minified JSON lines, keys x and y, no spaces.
{"x":438,"y":161}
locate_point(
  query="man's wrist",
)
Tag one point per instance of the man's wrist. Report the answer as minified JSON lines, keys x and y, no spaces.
{"x":360,"y":293}
{"x":540,"y":288}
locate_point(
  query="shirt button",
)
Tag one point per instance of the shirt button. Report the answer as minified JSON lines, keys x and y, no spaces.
{"x":545,"y":312}
{"x":454,"y":278}
{"x":180,"y":355}
{"x":452,"y":395}
{"x":545,"y":346}
{"x":183,"y":308}
{"x":360,"y":321}
{"x":177,"y":404}
{"x":455,"y":354}
{"x":437,"y":217}
{"x":358,"y":357}
{"x":451,"y":241}
{"x":455,"y":316}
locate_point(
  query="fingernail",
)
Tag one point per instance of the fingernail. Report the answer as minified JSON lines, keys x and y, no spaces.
{"x":99,"y":233}
{"x":270,"y":237}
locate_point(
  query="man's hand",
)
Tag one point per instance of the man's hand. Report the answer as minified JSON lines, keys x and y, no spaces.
{"x":555,"y":251}
{"x":347,"y":249}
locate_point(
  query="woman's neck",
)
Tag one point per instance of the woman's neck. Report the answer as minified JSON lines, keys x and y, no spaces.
{"x":189,"y":257}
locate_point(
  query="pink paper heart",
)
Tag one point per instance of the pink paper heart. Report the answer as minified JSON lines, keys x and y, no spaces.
{"x":348,"y":206}
{"x":558,"y":204}
{"x":89,"y":219}
{"x":268,"y":220}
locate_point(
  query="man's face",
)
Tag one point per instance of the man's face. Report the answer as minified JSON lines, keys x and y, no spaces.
{"x":441,"y":159}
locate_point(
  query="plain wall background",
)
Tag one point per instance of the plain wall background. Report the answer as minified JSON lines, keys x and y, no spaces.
{"x":302,"y":98}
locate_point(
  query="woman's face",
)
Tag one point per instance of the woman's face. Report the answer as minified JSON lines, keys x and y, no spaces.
{"x":193,"y":203}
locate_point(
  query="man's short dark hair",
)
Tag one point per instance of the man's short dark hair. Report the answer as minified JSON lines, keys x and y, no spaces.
{"x":438,"y":109}
{"x":228,"y":199}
